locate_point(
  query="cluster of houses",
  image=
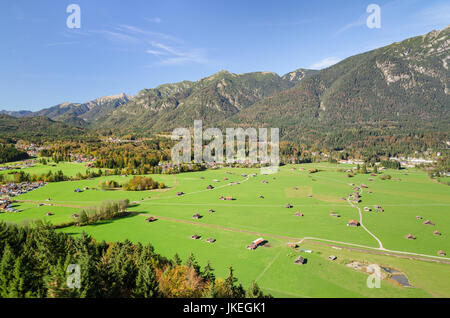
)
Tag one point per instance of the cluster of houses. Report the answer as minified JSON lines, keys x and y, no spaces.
{"x":15,"y":189}
{"x":23,"y":165}
{"x":79,"y":158}
{"x":31,"y":149}
{"x":412,"y":162}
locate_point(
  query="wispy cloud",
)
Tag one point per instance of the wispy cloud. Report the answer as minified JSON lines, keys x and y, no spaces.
{"x":326,"y":62}
{"x":130,"y":29}
{"x":171,"y":56}
{"x":283,"y":23}
{"x":357,"y":23}
{"x":61,"y":43}
{"x":118,"y":37}
{"x":168,"y":49}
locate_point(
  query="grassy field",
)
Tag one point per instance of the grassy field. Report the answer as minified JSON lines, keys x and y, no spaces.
{"x":234,"y":224}
{"x":69,"y":168}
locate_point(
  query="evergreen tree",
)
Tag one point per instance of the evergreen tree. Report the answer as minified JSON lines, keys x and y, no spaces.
{"x":192,"y":262}
{"x":6,"y":271}
{"x":146,"y":283}
{"x":208,"y":273}
{"x":177,"y":260}
{"x":235,"y":291}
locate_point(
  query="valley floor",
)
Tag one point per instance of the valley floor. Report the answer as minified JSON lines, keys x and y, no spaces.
{"x":235,"y":224}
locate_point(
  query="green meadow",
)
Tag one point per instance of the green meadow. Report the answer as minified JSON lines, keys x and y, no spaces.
{"x":235,"y":224}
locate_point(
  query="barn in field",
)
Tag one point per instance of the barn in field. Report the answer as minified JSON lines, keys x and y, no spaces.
{"x":410,"y":237}
{"x":300,"y":260}
{"x":253,"y":245}
{"x":353,"y":223}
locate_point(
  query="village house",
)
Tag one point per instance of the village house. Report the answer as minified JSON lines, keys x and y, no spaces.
{"x":441,"y":253}
{"x":437,"y":233}
{"x":151,"y":219}
{"x":332,"y":258}
{"x":298,"y":214}
{"x":211,"y":240}
{"x":180,"y":193}
{"x":195,"y":237}
{"x":367,"y":209}
{"x":210,"y":187}
{"x":227,"y":198}
{"x":211,"y":211}
{"x":428,"y":222}
{"x":288,"y":206}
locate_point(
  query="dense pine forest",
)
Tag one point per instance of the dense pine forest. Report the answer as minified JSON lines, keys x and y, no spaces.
{"x":34,"y":260}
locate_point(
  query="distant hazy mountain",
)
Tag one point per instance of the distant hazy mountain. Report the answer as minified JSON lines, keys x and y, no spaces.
{"x":82,"y":114}
{"x":18,"y":114}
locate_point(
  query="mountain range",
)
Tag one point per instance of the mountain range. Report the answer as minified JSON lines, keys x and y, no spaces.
{"x":404,"y":85}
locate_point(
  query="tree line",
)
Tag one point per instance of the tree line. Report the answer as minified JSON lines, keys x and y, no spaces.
{"x":34,"y":260}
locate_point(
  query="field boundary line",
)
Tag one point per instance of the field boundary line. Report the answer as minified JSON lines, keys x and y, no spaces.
{"x":268,"y":265}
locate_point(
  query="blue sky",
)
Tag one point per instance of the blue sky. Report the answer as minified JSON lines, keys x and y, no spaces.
{"x":125,"y":46}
